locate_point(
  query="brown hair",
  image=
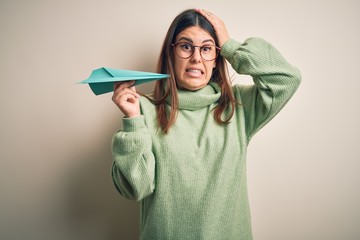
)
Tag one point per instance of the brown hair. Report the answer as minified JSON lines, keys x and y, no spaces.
{"x":167,"y":88}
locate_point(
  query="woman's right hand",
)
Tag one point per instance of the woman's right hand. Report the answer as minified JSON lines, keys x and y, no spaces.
{"x":126,"y":98}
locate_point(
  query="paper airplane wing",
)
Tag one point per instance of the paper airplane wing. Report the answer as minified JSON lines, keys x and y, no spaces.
{"x":102,"y":80}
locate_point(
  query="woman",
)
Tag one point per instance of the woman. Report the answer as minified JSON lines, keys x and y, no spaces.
{"x":182,"y":154}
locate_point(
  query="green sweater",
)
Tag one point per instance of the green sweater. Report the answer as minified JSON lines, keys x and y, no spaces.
{"x":191,"y":182}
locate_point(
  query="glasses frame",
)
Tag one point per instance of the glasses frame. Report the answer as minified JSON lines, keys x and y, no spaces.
{"x":217,"y":50}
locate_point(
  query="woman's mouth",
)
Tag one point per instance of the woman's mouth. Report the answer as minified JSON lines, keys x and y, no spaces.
{"x":194,"y":72}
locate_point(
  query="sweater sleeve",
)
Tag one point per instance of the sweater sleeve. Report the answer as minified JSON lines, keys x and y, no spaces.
{"x":275,"y":80}
{"x":133,"y":169}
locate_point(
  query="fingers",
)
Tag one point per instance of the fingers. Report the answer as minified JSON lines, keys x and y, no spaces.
{"x":123,"y":85}
{"x":218,"y":25}
{"x":207,"y":14}
{"x":126,"y":98}
{"x":124,"y":90}
{"x":125,"y":95}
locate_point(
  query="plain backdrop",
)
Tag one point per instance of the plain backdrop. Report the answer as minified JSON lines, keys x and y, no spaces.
{"x":55,"y":134}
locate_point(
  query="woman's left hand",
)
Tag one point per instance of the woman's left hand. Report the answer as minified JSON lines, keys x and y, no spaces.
{"x":218,"y":25}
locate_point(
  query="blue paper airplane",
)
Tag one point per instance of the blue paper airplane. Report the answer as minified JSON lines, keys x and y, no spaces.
{"x":102,"y":79}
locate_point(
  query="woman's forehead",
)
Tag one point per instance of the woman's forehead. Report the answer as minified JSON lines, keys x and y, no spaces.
{"x":194,"y":34}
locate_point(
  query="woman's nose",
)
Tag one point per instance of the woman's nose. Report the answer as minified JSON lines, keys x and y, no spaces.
{"x":196,"y":57}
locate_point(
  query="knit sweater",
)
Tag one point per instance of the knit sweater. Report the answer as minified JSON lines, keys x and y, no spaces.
{"x":191,"y":182}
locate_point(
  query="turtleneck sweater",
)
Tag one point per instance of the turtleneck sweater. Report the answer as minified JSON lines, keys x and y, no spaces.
{"x":191,"y":182}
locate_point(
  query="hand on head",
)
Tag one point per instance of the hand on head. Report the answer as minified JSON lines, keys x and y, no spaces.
{"x":218,"y":24}
{"x":126,"y":98}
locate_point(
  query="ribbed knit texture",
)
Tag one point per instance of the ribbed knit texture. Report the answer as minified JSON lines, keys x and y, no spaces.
{"x":191,"y":183}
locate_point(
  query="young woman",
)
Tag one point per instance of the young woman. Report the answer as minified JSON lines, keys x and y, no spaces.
{"x":182,"y":153}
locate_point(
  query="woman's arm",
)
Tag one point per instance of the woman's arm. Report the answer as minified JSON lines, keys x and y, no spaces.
{"x":275,"y":80}
{"x":133,"y":170}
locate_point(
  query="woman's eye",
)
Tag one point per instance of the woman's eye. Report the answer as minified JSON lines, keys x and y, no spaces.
{"x":206,"y":48}
{"x":186,"y":46}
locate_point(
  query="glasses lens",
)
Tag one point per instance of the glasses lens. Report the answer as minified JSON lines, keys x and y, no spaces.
{"x":186,"y":50}
{"x":208,"y":52}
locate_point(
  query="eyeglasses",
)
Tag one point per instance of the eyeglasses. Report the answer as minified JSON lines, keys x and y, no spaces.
{"x":185,"y":50}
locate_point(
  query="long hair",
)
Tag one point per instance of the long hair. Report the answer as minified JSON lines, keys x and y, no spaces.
{"x":167,"y":88}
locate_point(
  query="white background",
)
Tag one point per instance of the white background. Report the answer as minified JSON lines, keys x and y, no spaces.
{"x":55,"y":134}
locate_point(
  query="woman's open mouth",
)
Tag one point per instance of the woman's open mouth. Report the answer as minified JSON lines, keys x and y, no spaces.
{"x":194,"y":72}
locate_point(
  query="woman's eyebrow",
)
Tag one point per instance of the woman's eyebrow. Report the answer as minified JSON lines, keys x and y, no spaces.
{"x":208,"y":40}
{"x":186,"y":39}
{"x":191,"y":41}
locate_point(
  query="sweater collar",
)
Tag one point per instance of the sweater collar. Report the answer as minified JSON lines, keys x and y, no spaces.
{"x":194,"y":100}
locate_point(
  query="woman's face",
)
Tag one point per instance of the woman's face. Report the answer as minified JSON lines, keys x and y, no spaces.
{"x":194,"y":72}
